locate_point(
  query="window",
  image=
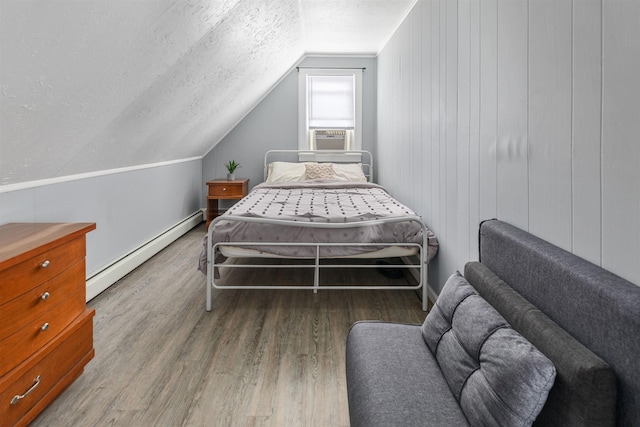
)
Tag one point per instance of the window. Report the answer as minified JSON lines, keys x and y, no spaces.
{"x":329,"y":109}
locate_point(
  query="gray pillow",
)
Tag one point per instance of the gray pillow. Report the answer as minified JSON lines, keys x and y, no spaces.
{"x":497,"y":376}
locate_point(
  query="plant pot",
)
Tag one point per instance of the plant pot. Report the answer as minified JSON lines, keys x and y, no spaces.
{"x":231,"y":177}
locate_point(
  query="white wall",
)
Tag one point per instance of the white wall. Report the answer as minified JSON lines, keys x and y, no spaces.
{"x":129,"y":207}
{"x":528,"y":111}
{"x":273,"y":123}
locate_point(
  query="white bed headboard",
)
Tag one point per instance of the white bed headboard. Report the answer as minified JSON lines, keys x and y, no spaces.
{"x":325,"y":156}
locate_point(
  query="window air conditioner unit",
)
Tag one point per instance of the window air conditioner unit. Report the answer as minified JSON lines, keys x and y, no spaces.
{"x":330,"y":139}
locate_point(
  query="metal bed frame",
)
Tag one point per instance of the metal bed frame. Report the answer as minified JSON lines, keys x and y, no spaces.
{"x":324,"y":156}
{"x":410,"y":263}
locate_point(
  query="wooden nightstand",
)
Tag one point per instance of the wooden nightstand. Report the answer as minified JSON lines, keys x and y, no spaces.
{"x":223,"y":190}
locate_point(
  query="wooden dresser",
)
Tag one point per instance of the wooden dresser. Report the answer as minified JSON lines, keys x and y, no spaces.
{"x":46,"y":330}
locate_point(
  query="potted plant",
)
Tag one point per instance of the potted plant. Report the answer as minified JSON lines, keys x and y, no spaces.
{"x":231,"y":166}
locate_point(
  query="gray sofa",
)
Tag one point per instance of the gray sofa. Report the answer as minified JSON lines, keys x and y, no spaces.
{"x":531,"y":334}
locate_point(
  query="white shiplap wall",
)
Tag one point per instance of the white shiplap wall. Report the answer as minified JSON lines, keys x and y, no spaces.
{"x":528,"y":111}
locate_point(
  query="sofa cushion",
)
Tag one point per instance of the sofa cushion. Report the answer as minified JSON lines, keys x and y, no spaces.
{"x":584,"y":392}
{"x":394,"y":380}
{"x":497,"y":376}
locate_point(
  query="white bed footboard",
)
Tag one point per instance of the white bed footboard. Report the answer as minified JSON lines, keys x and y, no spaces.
{"x":421,"y":266}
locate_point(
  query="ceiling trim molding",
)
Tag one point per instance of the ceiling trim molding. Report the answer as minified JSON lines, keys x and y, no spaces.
{"x":339,"y":55}
{"x":58,"y":180}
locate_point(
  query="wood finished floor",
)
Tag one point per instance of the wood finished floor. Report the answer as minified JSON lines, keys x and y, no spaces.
{"x":260,"y":358}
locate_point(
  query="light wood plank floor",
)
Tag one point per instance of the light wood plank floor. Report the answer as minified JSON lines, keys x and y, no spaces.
{"x":260,"y":358}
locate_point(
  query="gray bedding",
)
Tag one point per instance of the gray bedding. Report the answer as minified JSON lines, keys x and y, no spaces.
{"x":320,"y":201}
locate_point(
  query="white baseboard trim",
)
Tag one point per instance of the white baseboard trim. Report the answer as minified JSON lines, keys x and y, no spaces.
{"x":100,"y":281}
{"x":431,"y":294}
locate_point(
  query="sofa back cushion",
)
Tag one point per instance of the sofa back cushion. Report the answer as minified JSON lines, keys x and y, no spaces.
{"x":598,"y":308}
{"x":496,"y":375}
{"x":584,"y":392}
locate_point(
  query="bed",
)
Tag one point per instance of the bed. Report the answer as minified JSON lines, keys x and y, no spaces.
{"x":320,"y":208}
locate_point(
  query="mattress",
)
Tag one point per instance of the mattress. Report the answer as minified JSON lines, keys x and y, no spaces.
{"x":234,"y":251}
{"x":325,"y":203}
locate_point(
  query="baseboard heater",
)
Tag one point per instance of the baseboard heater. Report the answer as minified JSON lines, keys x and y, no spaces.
{"x":109,"y":275}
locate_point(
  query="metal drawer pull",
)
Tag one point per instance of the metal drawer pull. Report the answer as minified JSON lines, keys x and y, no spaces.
{"x":44,"y":327}
{"x":45,"y":264}
{"x":17,"y":397}
{"x":45,"y":296}
{"x":224,"y":188}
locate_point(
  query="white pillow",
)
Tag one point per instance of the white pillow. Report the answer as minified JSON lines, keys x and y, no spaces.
{"x":295,"y":172}
{"x":349,"y":172}
{"x":286,"y":172}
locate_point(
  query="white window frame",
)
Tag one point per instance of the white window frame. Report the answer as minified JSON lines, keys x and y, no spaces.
{"x":303,"y":121}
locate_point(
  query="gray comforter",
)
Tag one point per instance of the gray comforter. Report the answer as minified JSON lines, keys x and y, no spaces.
{"x":320,"y":201}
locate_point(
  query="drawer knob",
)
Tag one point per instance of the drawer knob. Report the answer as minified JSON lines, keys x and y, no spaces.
{"x":45,"y":264}
{"x":19,"y":397}
{"x":224,"y":188}
{"x":45,"y":296}
{"x":44,"y":327}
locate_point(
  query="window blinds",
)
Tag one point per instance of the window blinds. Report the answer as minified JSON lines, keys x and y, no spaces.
{"x":331,"y":102}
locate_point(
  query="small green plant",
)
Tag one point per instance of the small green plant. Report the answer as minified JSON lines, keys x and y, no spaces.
{"x":232,"y":165}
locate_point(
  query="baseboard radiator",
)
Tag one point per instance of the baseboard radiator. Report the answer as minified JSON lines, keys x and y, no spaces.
{"x":109,"y":275}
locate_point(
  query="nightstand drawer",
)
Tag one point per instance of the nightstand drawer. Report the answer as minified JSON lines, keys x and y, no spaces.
{"x":227,"y":189}
{"x":17,"y":313}
{"x":22,"y":277}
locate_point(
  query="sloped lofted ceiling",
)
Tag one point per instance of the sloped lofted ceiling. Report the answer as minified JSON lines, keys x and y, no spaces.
{"x":100,"y":84}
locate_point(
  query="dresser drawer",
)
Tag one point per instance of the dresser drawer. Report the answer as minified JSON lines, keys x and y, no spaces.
{"x":232,"y":190}
{"x":17,"y":313}
{"x":47,"y":373}
{"x":39,"y":331}
{"x":28,"y":274}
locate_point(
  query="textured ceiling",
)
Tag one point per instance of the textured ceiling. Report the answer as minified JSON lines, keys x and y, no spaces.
{"x":93,"y":85}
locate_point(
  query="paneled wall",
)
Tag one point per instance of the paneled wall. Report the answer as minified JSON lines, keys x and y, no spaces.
{"x":526,"y":111}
